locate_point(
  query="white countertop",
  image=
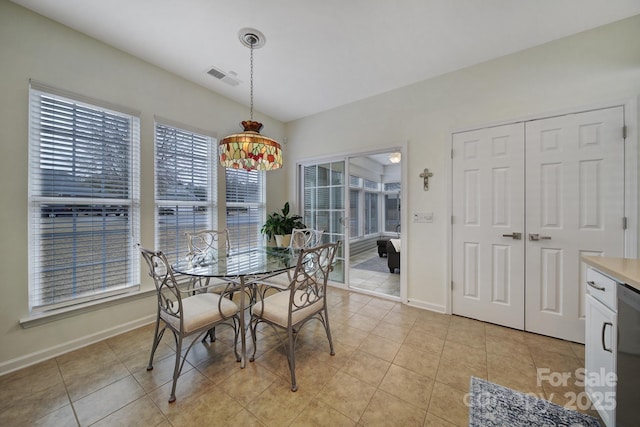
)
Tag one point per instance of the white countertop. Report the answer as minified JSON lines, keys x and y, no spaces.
{"x":625,"y":270}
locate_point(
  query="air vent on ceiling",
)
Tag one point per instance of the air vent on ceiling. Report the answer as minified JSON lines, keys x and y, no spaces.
{"x":229,"y":78}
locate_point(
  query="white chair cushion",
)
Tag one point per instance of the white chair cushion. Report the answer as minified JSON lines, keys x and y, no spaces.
{"x":200,"y":310}
{"x":396,"y":244}
{"x":280,"y":281}
{"x":275,"y":308}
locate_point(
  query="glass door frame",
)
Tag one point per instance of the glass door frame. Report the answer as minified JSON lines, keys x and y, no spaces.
{"x":404,"y":218}
{"x":332,"y":217}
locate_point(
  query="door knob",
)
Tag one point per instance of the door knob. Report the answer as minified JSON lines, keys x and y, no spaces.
{"x":514,"y":236}
{"x":536,"y":237}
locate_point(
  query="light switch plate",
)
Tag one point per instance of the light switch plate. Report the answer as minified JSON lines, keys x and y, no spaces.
{"x":423,"y":217}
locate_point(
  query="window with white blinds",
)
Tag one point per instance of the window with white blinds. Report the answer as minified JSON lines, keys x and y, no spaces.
{"x":371,"y":213}
{"x":83,"y":199}
{"x":245,"y":207}
{"x":391,"y":210}
{"x":185,"y":183}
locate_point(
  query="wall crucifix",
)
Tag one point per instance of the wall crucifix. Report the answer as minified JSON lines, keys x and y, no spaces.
{"x":425,"y":175}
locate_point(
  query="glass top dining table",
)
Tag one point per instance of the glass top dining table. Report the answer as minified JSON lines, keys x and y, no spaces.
{"x":246,"y":267}
{"x":258,"y":261}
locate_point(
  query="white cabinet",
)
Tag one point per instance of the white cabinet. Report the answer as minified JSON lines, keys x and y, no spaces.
{"x":600,"y":361}
{"x":600,"y":344}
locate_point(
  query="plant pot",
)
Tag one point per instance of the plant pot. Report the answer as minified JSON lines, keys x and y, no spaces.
{"x":282,"y":241}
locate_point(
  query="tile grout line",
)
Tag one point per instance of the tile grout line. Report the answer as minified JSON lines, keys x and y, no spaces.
{"x":66,"y":390}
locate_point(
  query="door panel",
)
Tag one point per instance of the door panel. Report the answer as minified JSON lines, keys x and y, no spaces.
{"x":501,"y":280}
{"x":324,"y":209}
{"x":551,"y":278}
{"x":488,"y":203}
{"x":575,"y":204}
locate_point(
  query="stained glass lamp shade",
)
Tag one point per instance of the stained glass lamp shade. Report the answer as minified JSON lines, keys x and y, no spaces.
{"x":249,"y":150}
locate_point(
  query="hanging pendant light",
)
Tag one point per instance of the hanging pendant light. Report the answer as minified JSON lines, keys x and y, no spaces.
{"x":249,"y":150}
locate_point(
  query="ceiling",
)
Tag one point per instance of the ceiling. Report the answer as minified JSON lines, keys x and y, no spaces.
{"x":323,"y":54}
{"x":382,"y":158}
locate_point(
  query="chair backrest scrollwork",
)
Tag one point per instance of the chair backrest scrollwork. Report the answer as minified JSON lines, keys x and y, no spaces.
{"x":310,"y":277}
{"x":169,"y":298}
{"x":305,"y":238}
{"x":204,"y":245}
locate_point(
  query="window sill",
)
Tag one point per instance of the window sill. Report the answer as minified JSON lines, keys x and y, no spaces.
{"x":42,"y":318}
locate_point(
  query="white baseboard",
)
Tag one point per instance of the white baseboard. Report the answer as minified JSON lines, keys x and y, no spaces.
{"x":338,"y":285}
{"x":411,"y":302}
{"x":57,"y":350}
{"x":427,"y":305}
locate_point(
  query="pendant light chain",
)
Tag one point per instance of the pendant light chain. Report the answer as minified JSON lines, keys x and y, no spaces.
{"x":251,"y":77}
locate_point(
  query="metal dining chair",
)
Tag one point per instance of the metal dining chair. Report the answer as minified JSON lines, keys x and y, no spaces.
{"x":207,"y":246}
{"x":301,"y":238}
{"x":184,"y":313}
{"x":304,"y":300}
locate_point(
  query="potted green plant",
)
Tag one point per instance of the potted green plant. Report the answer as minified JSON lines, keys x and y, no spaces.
{"x":280,"y":224}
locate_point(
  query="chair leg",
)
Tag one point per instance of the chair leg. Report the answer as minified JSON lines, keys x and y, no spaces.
{"x":236,"y":330}
{"x":211,"y":333}
{"x":292,"y":359}
{"x":176,"y":369}
{"x":253,"y":325}
{"x":328,"y":330}
{"x":156,"y":340}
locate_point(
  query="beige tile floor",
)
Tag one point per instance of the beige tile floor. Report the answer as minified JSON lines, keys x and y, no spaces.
{"x":394,"y":366}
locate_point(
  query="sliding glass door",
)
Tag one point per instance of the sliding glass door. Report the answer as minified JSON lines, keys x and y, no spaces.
{"x":356,"y":199}
{"x":323,"y":201}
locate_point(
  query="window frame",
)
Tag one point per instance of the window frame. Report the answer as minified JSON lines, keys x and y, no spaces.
{"x":368,"y":223}
{"x":182,"y":202}
{"x":50,"y":112}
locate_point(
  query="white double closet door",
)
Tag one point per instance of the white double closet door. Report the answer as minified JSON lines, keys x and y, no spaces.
{"x":529,"y":199}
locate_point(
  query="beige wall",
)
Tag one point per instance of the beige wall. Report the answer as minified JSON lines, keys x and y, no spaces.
{"x":34,"y":47}
{"x":584,"y":70}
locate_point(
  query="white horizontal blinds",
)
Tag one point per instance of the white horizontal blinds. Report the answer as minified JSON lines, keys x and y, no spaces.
{"x":185,"y":186}
{"x":324,"y":207}
{"x":245,"y":207}
{"x":309,"y":176}
{"x":83,"y":187}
